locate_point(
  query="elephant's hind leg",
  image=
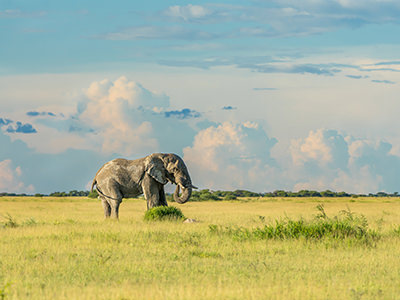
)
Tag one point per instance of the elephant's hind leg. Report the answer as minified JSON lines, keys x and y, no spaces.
{"x":106,"y":206}
{"x":113,"y":198}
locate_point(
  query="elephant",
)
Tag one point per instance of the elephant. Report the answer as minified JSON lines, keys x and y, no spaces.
{"x":123,"y":178}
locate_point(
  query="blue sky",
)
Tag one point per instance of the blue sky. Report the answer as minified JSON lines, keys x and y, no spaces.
{"x":259,"y":95}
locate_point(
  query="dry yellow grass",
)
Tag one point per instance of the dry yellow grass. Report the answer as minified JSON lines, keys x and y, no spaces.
{"x":63,"y":249}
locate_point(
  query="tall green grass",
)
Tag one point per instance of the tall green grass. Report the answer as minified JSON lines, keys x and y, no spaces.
{"x":343,"y":226}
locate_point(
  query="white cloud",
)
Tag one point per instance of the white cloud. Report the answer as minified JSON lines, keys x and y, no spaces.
{"x":122,"y":117}
{"x":118,"y":117}
{"x":112,"y":109}
{"x":10,"y":179}
{"x":326,"y":159}
{"x":325,"y":147}
{"x":231,"y":156}
{"x":188,"y":13}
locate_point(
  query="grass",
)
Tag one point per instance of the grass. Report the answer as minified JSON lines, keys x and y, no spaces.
{"x":347,"y":225}
{"x":66,"y":250}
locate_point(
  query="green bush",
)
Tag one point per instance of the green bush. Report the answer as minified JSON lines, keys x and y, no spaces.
{"x":164,"y":213}
{"x":93,"y":194}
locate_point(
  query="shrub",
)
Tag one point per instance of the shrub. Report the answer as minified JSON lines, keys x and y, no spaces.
{"x":93,"y":194}
{"x":164,"y":213}
{"x":230,"y":197}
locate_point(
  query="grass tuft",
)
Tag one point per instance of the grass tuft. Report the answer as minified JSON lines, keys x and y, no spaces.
{"x":164,"y":213}
{"x":9,"y":222}
{"x":344,"y":226}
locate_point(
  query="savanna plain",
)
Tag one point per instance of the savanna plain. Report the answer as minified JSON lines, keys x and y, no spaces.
{"x":62,"y":248}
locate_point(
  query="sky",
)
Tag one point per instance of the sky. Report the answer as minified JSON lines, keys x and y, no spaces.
{"x":258,"y":95}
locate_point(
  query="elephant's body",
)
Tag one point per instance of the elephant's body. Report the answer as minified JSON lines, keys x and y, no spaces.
{"x":122,"y":178}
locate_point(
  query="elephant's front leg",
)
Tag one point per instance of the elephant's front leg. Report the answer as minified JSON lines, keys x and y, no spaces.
{"x":151,"y":191}
{"x":163,"y":201}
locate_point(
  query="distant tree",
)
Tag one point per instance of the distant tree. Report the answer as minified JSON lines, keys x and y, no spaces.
{"x":93,"y":194}
{"x":382,"y":194}
{"x":279,"y":193}
{"x":327,"y":193}
{"x":230,"y":197}
{"x":244,"y":193}
{"x":342,"y":194}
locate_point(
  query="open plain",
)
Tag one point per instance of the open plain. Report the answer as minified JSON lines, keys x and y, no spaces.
{"x":62,"y":248}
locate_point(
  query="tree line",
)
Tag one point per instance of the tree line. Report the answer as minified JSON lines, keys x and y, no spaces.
{"x":207,"y":194}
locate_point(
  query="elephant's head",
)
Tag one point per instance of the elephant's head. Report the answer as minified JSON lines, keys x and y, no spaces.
{"x":170,"y":167}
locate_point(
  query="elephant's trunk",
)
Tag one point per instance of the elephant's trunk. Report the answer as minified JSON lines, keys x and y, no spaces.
{"x":186,"y":192}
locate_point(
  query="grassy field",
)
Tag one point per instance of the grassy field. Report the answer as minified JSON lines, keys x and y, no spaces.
{"x":62,"y":248}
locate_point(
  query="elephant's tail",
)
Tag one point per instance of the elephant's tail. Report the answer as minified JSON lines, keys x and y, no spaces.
{"x":93,"y":184}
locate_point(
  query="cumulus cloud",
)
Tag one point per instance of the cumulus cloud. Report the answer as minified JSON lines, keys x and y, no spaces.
{"x":124,"y":118}
{"x":119,"y":117}
{"x":231,"y":156}
{"x":110,"y":109}
{"x":10,"y":179}
{"x":327,"y":159}
{"x":323,"y":147}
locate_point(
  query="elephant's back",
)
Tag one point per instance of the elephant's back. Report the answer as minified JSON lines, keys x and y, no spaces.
{"x":120,"y":169}
{"x":113,"y":168}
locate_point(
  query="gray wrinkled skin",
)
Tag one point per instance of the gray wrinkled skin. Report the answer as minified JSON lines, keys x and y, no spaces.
{"x":122,"y":178}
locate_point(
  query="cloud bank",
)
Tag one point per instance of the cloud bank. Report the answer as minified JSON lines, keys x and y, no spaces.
{"x":122,"y":118}
{"x":232,"y":156}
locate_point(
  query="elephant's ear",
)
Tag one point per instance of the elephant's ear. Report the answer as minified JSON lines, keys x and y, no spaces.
{"x":155,"y":169}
